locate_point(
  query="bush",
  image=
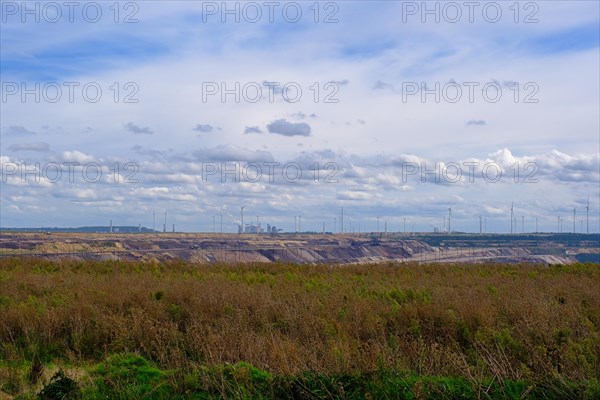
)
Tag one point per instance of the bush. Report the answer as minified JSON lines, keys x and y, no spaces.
{"x":60,"y":387}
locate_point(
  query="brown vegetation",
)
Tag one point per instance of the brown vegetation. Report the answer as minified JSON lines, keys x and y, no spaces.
{"x":518,"y":322}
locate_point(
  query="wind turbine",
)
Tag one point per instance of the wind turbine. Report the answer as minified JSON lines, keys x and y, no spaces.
{"x":587,"y":215}
{"x":512,"y":215}
{"x":242,"y":211}
{"x":449,"y":220}
{"x":560,"y":221}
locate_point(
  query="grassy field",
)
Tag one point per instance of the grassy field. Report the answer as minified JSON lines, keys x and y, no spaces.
{"x":77,"y":329}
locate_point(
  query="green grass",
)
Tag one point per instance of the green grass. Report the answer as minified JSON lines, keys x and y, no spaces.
{"x":130,"y":376}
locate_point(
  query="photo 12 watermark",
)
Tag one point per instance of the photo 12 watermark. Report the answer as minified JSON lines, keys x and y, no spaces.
{"x":453,"y":12}
{"x":54,"y":12}
{"x":252,"y":12}
{"x":271,"y":92}
{"x":69,"y":172}
{"x":69,"y":92}
{"x":269,"y":172}
{"x":472,"y":92}
{"x":468,"y":172}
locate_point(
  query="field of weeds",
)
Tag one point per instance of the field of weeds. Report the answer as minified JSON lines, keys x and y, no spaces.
{"x":76,"y":329}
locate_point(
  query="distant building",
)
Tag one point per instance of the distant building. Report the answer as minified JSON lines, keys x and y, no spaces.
{"x":250,"y":228}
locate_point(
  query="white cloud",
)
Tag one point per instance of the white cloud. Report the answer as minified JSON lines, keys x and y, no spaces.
{"x":77,"y":156}
{"x":175,"y":55}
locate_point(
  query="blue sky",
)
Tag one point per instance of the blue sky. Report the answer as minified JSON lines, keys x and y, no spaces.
{"x":355,"y":116}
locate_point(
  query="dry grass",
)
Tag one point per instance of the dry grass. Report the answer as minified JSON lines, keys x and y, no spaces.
{"x":517,"y":322}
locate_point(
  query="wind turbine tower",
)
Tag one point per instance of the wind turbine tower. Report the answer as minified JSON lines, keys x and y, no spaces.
{"x":512,"y":216}
{"x":242,"y":222}
{"x":587,"y":215}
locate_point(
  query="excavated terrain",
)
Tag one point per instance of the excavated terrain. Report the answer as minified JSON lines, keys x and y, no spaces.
{"x":304,"y":248}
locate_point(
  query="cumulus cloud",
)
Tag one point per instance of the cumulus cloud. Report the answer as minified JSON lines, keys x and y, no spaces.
{"x":406,"y":158}
{"x":476,"y":122}
{"x":559,"y":166}
{"x":204,"y":128}
{"x":298,"y":115}
{"x":505,"y":158}
{"x":379,"y":85}
{"x":273,"y":86}
{"x":37,"y":146}
{"x":141,"y":150}
{"x":285,"y":128}
{"x":228,"y":152}
{"x":138,"y":130}
{"x":76,"y":193}
{"x":343,"y":82}
{"x":77,"y":156}
{"x":18,"y":130}
{"x":252,"y":129}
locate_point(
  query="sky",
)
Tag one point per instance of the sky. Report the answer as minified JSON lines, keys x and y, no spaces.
{"x":394,"y":110}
